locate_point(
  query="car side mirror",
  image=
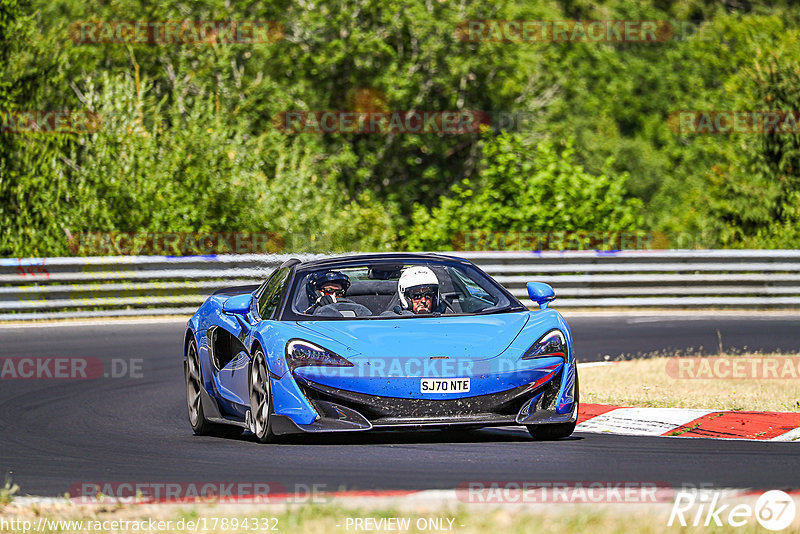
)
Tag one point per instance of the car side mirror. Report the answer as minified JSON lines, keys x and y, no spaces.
{"x":541,"y":293}
{"x":240,"y":304}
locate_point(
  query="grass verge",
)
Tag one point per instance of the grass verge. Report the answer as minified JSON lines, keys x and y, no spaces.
{"x":672,"y":382}
{"x":379,"y":517}
{"x":7,"y":492}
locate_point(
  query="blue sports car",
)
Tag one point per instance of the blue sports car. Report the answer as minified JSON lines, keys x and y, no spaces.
{"x":378,"y":341}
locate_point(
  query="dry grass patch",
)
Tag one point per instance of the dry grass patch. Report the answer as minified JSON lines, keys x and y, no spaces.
{"x":664,"y":383}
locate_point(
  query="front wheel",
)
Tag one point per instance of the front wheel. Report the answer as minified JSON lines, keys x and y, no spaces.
{"x":260,"y":399}
{"x":548,"y":432}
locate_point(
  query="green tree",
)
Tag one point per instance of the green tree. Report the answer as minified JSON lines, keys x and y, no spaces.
{"x":524,"y":188}
{"x":748,"y":194}
{"x":30,"y":181}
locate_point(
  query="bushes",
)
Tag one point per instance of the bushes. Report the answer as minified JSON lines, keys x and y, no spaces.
{"x":188,"y":145}
{"x":527,"y":188}
{"x":188,"y":167}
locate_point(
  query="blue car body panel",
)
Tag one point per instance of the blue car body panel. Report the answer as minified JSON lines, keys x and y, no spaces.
{"x":389,"y":359}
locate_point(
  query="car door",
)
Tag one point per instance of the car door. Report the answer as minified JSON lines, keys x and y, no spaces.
{"x":265,"y":304}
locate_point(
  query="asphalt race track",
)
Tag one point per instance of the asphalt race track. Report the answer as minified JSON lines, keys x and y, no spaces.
{"x":635,"y":336}
{"x":57,"y":433}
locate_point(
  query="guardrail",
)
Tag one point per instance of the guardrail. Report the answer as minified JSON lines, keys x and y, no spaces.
{"x":43,"y":288}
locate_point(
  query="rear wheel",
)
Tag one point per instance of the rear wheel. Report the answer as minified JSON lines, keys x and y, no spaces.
{"x":260,"y":399}
{"x":548,"y":432}
{"x":194,"y":385}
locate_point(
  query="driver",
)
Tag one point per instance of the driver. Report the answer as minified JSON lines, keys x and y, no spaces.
{"x":418,"y":289}
{"x":325,"y":287}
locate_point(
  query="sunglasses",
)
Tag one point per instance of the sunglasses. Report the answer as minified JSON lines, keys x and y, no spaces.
{"x":329,"y":291}
{"x":420,"y":296}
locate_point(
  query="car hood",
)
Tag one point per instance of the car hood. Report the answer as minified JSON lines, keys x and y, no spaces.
{"x":475,"y":337}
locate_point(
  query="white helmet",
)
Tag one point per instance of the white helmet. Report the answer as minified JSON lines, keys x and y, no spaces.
{"x":417,"y":278}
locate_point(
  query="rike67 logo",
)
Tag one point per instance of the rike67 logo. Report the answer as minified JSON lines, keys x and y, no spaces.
{"x":774,"y":510}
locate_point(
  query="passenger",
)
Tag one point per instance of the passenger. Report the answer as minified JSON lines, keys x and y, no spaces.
{"x":418,"y":289}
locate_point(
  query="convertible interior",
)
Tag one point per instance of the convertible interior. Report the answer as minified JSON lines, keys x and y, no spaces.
{"x":378,"y":297}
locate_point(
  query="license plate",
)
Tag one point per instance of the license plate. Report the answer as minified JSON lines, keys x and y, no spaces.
{"x":444,"y":385}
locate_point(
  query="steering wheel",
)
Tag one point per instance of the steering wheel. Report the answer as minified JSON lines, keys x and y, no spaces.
{"x":341,"y":309}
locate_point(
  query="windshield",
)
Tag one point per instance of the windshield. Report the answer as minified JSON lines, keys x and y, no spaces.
{"x":396,"y":290}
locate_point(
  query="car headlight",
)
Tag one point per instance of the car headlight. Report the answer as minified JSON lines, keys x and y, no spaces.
{"x":300,"y":353}
{"x":553,"y":343}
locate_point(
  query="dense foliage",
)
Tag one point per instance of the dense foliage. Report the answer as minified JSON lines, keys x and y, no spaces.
{"x":189,"y":139}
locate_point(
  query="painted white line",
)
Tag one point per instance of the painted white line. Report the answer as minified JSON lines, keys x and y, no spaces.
{"x":677,"y":315}
{"x":98,"y":322}
{"x":38,"y":501}
{"x":641,"y":421}
{"x":431,"y":495}
{"x":594,"y":364}
{"x":420,"y":496}
{"x":792,"y":435}
{"x":700,"y":317}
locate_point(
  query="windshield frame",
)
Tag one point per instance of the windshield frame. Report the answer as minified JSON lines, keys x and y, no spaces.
{"x":298,"y":276}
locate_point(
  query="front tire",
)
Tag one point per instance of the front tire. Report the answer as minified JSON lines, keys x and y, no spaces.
{"x":261,"y":399}
{"x":194,"y":385}
{"x":549,"y":432}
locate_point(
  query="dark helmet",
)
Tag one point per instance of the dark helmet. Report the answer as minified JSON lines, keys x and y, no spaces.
{"x":317,"y":280}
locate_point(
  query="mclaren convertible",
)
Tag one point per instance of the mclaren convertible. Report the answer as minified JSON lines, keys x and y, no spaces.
{"x":378,"y":341}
